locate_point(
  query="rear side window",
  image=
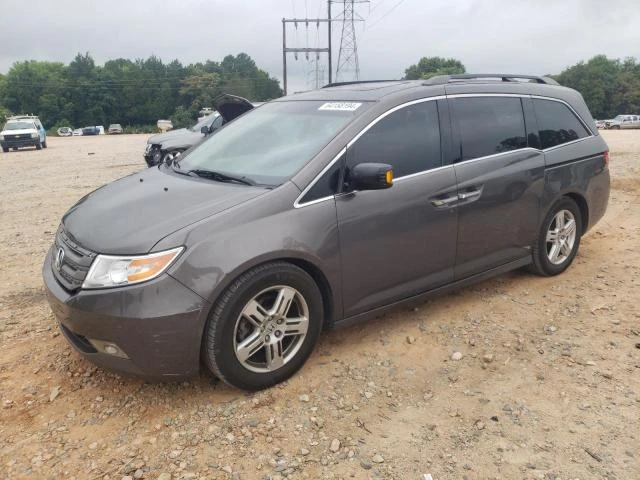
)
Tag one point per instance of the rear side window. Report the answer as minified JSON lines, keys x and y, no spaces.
{"x":557,"y":123}
{"x":489,"y":125}
{"x":407,"y":139}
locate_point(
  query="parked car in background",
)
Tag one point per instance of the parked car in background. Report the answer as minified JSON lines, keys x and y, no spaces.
{"x":77,"y":132}
{"x":324,"y":208}
{"x":115,"y":128}
{"x":23,"y":131}
{"x":64,"y":132}
{"x":600,"y":124}
{"x":623,"y":122}
{"x":164,"y":147}
{"x":90,"y":131}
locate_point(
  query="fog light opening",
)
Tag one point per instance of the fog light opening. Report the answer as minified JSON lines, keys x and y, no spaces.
{"x":108,"y":348}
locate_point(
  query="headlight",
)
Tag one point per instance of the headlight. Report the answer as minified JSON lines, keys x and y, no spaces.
{"x":112,"y":271}
{"x":34,"y":135}
{"x":1,"y":137}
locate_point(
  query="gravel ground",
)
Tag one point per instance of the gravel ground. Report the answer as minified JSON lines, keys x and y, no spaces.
{"x":518,"y":377}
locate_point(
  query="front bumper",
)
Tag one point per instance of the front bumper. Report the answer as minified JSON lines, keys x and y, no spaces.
{"x":18,"y":143}
{"x":157,"y":324}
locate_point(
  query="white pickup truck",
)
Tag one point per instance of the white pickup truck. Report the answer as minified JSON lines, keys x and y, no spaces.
{"x":623,"y":121}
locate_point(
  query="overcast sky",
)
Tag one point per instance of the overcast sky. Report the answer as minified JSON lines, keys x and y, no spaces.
{"x":523,"y":36}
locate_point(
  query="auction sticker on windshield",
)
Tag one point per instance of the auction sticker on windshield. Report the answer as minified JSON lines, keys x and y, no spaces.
{"x":340,"y":106}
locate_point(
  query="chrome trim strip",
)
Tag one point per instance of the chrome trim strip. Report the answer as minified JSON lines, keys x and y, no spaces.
{"x":417,"y":174}
{"x":471,"y":160}
{"x":568,"y":143}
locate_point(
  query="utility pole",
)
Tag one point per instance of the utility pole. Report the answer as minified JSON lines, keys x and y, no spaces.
{"x":296,"y":50}
{"x":348,"y":54}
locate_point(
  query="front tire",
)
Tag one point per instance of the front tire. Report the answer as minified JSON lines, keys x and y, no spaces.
{"x":44,"y":144}
{"x":5,"y":149}
{"x":559,"y":238}
{"x":263,"y":327}
{"x":38,"y":145}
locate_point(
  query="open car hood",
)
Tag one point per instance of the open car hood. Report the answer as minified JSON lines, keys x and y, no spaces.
{"x":231,"y":106}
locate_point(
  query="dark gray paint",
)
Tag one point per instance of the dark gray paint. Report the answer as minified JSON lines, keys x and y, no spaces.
{"x":357,"y":246}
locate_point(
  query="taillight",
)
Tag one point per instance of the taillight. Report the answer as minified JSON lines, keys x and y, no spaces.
{"x":605,"y":155}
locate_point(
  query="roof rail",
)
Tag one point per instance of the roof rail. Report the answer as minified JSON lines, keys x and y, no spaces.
{"x":356,"y":82}
{"x":505,"y":77}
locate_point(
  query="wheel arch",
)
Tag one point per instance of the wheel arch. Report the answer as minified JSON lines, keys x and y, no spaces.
{"x":582,"y":206}
{"x":309,"y":267}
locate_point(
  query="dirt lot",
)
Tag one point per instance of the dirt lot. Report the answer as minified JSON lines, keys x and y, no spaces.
{"x":548,"y":386}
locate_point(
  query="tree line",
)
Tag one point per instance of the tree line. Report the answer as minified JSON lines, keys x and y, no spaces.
{"x":129,"y":92}
{"x":139,"y":92}
{"x":609,"y":86}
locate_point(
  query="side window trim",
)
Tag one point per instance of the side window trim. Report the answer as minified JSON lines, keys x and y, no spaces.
{"x":299,"y":203}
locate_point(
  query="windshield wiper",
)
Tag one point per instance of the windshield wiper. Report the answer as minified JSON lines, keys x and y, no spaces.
{"x":219,"y":177}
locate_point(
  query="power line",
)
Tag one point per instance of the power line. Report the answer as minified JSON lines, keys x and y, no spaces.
{"x":385,"y":15}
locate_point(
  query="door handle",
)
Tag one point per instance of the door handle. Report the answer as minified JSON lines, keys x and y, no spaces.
{"x":444,"y":202}
{"x":471,"y":195}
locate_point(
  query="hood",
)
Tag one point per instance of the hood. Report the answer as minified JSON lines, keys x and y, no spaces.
{"x":21,"y":131}
{"x":161,"y":137}
{"x":130,"y":215}
{"x":231,"y":106}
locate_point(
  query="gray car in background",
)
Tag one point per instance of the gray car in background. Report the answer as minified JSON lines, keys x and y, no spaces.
{"x":320,"y":209}
{"x":164,"y":147}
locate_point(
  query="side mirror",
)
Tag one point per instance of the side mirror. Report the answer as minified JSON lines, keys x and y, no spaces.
{"x":371,"y":176}
{"x":205,"y":130}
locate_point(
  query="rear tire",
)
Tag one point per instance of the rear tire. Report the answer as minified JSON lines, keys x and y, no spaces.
{"x":5,"y":149}
{"x":263,"y":327}
{"x":558,"y":240}
{"x":44,"y":144}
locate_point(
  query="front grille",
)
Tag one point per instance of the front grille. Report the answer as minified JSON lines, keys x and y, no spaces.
{"x":75,"y":263}
{"x":22,"y":136}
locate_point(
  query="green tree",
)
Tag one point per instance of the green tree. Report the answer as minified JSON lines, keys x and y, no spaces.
{"x":130,"y":92}
{"x":429,"y":67}
{"x":609,"y":86}
{"x":182,"y":118}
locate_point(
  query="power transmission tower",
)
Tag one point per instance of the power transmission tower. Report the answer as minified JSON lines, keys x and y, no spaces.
{"x":348,"y":54}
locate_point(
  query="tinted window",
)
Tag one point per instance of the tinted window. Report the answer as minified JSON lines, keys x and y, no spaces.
{"x":408,"y":140}
{"x":557,"y":123}
{"x":327,"y":184}
{"x":489,"y":125}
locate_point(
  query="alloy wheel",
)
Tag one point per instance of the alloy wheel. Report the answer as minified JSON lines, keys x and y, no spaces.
{"x":561,"y":237}
{"x":271,"y":329}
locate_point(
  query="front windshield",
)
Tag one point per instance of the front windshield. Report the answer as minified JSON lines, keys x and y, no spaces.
{"x":269,"y":144}
{"x":619,"y":118}
{"x":206,"y":121}
{"x":19,"y":125}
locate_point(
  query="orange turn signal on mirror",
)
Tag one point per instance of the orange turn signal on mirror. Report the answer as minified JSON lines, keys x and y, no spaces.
{"x":389,"y":177}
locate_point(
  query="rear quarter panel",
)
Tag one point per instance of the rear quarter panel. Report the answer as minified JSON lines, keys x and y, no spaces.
{"x":578,"y":168}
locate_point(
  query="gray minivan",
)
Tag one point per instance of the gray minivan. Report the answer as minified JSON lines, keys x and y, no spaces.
{"x":323,"y":208}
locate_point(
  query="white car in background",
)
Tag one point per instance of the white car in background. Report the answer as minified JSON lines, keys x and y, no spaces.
{"x":77,"y":132}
